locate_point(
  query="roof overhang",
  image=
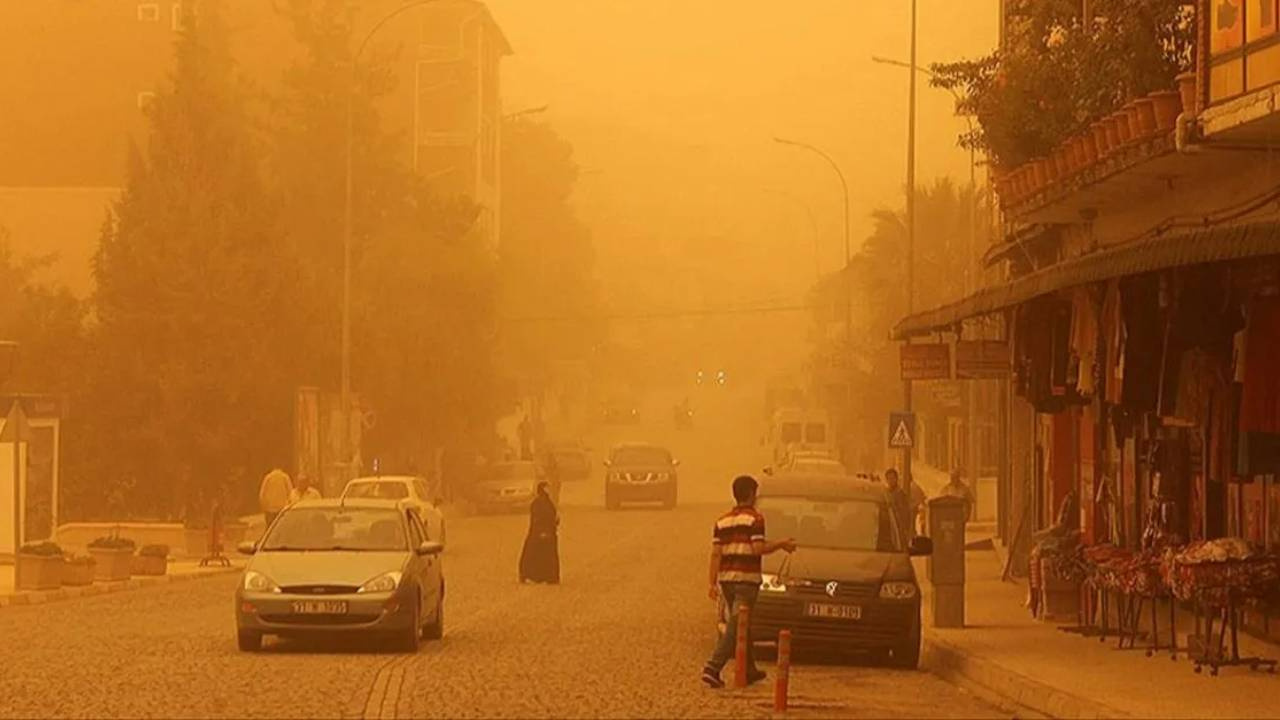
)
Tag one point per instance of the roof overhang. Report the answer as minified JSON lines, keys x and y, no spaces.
{"x":1162,"y":252}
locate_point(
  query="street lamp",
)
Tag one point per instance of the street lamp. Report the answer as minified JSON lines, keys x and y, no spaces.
{"x":844,"y":186}
{"x":346,"y":220}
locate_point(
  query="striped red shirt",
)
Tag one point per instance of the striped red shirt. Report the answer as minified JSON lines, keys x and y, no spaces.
{"x":736,"y":533}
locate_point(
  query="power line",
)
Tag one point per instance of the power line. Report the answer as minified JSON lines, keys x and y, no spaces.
{"x":663,"y":315}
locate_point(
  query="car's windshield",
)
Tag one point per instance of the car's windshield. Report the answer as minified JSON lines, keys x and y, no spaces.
{"x":641,"y":456}
{"x":337,"y":528}
{"x":839,"y":524}
{"x":791,"y":432}
{"x":512,"y":471}
{"x":379,"y":490}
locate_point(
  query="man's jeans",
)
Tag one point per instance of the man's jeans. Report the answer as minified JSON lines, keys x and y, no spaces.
{"x":734,"y":594}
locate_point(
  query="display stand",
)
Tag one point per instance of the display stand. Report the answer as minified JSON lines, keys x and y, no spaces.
{"x":1214,"y":654}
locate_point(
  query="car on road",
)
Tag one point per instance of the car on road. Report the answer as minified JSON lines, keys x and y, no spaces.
{"x":572,"y":460}
{"x":850,"y":585}
{"x":640,"y":472}
{"x":342,"y":566}
{"x":411,"y":489}
{"x":505,"y":486}
{"x":620,"y":411}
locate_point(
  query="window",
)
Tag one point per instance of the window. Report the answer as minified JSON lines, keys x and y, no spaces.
{"x":378,"y":490}
{"x":179,"y":18}
{"x":641,"y":456}
{"x":148,"y":12}
{"x":328,"y":528}
{"x":145,"y":98}
{"x":416,"y":534}
{"x":791,"y":432}
{"x":421,"y":490}
{"x":815,"y":433}
{"x":833,"y":524}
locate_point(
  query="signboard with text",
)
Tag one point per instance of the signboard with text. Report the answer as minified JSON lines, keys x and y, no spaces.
{"x":926,"y":362}
{"x":982,"y":359}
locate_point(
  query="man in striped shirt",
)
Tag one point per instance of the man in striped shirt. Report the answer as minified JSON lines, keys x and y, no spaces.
{"x":736,"y":548}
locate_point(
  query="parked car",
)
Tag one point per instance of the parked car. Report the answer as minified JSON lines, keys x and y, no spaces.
{"x":640,"y":472}
{"x":572,"y":459}
{"x":505,"y":486}
{"x":342,"y":566}
{"x":413,"y":490}
{"x":850,"y":585}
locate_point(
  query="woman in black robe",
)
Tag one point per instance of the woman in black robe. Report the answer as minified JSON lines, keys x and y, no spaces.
{"x":540,"y":560}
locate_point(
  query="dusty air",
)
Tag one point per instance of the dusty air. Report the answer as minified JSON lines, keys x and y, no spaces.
{"x":639,"y":359}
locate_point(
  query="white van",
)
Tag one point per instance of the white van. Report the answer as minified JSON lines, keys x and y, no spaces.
{"x":794,"y":429}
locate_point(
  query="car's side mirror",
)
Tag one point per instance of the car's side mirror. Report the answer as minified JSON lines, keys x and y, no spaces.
{"x":675,"y":463}
{"x":429,"y":547}
{"x":768,"y":471}
{"x":607,"y":463}
{"x":247,"y":548}
{"x":919,"y":546}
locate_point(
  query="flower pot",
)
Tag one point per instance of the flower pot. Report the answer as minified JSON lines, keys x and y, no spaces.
{"x":39,"y":572}
{"x":1124,"y":129}
{"x":1111,"y":124}
{"x":1168,"y":105}
{"x":1145,"y":110}
{"x":1187,"y":91}
{"x":1100,"y":140}
{"x":112,"y":564}
{"x":195,"y":541}
{"x":78,"y":572}
{"x":150,"y":565}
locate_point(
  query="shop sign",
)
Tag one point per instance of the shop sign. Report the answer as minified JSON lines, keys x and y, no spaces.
{"x":982,"y":359}
{"x":926,"y":362}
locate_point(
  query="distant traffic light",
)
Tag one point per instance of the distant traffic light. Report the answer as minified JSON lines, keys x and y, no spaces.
{"x":721,"y":378}
{"x":700,"y":377}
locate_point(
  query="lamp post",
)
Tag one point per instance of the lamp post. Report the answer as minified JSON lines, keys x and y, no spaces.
{"x":347,"y":226}
{"x":844,"y":186}
{"x":911,"y":230}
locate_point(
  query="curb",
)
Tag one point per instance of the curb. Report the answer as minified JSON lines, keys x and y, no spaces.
{"x":40,"y":597}
{"x":1021,"y":694}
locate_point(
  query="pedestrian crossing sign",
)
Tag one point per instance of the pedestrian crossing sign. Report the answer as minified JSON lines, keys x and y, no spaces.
{"x":902,"y":430}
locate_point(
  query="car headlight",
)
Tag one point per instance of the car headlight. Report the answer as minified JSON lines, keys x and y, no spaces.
{"x":615,"y":477}
{"x":661,"y":477}
{"x":385,"y":582}
{"x":772,"y":583}
{"x":257,"y":582}
{"x":897,"y":591}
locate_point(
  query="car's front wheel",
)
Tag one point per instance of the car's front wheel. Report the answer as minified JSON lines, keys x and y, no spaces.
{"x":435,"y":628}
{"x":407,"y":638}
{"x":249,"y":640}
{"x":906,"y":654}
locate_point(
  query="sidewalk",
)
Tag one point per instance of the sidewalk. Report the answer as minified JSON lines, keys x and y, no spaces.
{"x":179,"y":571}
{"x":1005,"y":653}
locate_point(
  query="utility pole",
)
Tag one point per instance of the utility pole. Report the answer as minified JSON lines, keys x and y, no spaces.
{"x":911,"y":231}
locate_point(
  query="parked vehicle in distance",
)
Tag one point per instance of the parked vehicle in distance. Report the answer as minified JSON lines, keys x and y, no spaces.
{"x":850,"y":585}
{"x":796,"y":430}
{"x":640,"y":472}
{"x":619,"y":411}
{"x":342,"y":566}
{"x":505,"y":486}
{"x":811,"y":466}
{"x":572,"y":460}
{"x":411,"y":489}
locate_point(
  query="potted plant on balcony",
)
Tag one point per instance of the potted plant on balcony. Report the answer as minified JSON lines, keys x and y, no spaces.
{"x":151,"y":560}
{"x":39,"y":566}
{"x":1187,"y":91}
{"x":1168,"y":105}
{"x":113,"y":557}
{"x":77,"y":570}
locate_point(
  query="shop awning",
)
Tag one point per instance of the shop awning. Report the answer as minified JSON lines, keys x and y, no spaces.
{"x":1236,"y":242}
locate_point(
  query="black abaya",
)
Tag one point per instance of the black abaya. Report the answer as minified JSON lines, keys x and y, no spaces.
{"x":540,"y":560}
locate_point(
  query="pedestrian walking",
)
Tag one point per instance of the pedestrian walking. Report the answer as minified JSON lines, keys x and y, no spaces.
{"x":275,"y":492}
{"x":907,"y":507}
{"x":303,"y":490}
{"x":956,"y":488}
{"x":737,"y":546}
{"x":540,"y":558}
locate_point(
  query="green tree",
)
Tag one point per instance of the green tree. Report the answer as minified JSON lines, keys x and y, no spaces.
{"x":187,"y":380}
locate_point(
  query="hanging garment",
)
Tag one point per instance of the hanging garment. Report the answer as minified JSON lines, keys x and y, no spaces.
{"x":1260,"y":399}
{"x":1113,"y":341}
{"x":1084,"y":340}
{"x":1143,"y":343}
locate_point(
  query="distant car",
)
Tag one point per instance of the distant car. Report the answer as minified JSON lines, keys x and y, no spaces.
{"x":621,"y":412}
{"x":640,"y":472}
{"x":342,"y":566}
{"x":411,"y":489}
{"x":505,"y":486}
{"x":850,"y":585}
{"x":572,"y":460}
{"x":813,"y":466}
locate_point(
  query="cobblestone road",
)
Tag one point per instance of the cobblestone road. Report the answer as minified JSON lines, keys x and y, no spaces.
{"x":623,"y":636}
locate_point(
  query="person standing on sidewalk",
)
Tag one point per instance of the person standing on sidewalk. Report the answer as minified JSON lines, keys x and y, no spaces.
{"x":274,"y":494}
{"x":956,"y":488}
{"x":907,"y":508}
{"x":738,"y":543}
{"x":303,"y":490}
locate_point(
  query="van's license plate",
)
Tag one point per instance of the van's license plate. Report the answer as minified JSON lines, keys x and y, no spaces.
{"x":319,"y":607}
{"x":838,"y":612}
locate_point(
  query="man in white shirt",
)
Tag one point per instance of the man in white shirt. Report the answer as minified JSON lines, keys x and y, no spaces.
{"x":275,"y":492}
{"x":303,"y":490}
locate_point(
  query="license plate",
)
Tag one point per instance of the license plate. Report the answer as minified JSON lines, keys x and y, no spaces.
{"x":319,"y":607}
{"x":838,"y":612}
